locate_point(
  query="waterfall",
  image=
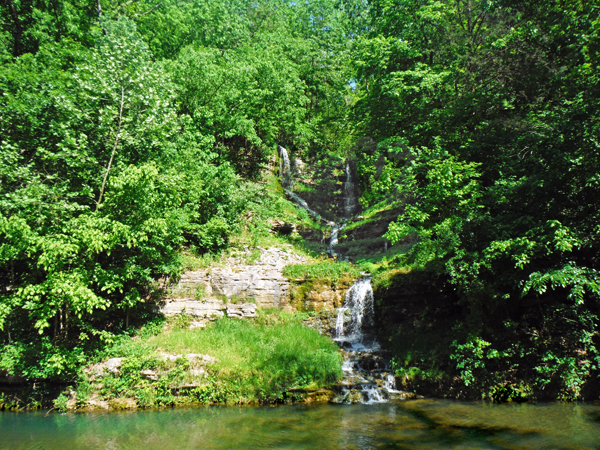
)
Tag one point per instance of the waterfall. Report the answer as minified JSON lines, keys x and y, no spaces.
{"x":300,"y":202}
{"x":285,"y":172}
{"x":367,"y":378}
{"x":349,"y":197}
{"x":333,"y":239}
{"x":366,"y":372}
{"x":350,"y":200}
{"x":356,"y":312}
{"x":350,"y":205}
{"x":287,"y":181}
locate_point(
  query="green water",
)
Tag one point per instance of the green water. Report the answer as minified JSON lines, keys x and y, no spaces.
{"x":424,"y":424}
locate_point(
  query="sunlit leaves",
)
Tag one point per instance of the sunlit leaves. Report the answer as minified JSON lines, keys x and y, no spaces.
{"x":446,"y":193}
{"x":577,"y":279}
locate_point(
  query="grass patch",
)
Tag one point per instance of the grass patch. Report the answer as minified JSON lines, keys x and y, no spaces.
{"x":192,"y":261}
{"x":257,"y":361}
{"x":326,"y":271}
{"x":372,"y":214}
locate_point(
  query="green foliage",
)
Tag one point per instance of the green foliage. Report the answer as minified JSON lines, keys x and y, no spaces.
{"x":471,"y":358}
{"x":60,"y":403}
{"x":125,"y":129}
{"x":246,"y":98}
{"x":446,"y":195}
{"x":25,"y":25}
{"x":580,"y":281}
{"x":482,"y":117}
{"x":103,"y":183}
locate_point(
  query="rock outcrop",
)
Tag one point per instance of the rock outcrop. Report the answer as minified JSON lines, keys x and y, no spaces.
{"x":207,"y":310}
{"x":246,"y":282}
{"x":325,"y":297}
{"x":113,"y":366}
{"x":243,"y":283}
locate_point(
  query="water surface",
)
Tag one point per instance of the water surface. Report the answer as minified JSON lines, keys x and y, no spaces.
{"x":422,"y":424}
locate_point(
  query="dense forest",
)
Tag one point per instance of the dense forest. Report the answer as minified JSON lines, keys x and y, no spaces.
{"x":132,"y":130}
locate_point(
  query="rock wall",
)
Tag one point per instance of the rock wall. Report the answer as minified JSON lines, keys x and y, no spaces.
{"x":242,"y":283}
{"x":206,"y":310}
{"x":319,"y":296}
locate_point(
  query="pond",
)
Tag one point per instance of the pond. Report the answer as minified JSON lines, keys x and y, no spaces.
{"x":420,"y":424}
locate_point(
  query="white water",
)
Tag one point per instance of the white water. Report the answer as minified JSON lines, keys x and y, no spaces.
{"x":333,"y":239}
{"x":357,"y":309}
{"x":350,"y":200}
{"x":300,"y":202}
{"x":364,"y":371}
{"x":350,"y":207}
{"x":285,"y":172}
{"x":390,"y":383}
{"x":287,"y":181}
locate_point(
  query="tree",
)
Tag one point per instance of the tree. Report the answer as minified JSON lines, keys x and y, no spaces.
{"x":495,"y":105}
{"x":93,"y":210}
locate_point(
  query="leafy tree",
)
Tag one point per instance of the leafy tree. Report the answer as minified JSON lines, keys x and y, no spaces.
{"x":98,"y":192}
{"x":25,"y":25}
{"x":495,"y":106}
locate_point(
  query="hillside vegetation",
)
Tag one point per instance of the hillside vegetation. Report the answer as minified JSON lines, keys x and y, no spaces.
{"x":136,"y":138}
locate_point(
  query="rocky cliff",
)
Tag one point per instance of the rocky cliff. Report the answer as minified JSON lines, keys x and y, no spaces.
{"x":240,"y":284}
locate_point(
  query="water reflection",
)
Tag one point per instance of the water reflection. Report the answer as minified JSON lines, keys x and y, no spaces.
{"x":427,"y":424}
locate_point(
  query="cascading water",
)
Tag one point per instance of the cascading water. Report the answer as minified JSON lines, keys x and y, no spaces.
{"x":285,"y":171}
{"x":333,"y":239}
{"x":366,"y":373}
{"x":356,"y":312}
{"x":350,"y":199}
{"x":287,"y":181}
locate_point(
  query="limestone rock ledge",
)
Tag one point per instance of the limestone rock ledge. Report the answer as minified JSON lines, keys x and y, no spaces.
{"x":215,"y":291}
{"x":208,"y":310}
{"x":247,"y":281}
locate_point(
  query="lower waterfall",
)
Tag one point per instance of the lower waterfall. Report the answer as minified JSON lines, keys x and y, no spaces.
{"x":367,"y":373}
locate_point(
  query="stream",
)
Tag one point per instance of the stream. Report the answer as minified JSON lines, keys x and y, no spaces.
{"x":418,"y":424}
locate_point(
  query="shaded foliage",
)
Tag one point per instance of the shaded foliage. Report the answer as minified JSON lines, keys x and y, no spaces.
{"x":486,"y":115}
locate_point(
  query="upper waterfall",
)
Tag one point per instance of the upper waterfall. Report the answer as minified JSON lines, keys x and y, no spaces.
{"x":285,"y":172}
{"x":350,"y":197}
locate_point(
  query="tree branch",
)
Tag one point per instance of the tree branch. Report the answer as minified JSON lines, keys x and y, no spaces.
{"x":150,"y":10}
{"x":18,"y":28}
{"x":112,"y":155}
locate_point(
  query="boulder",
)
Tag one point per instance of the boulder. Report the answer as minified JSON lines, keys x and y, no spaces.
{"x":100,"y":369}
{"x":281,"y":227}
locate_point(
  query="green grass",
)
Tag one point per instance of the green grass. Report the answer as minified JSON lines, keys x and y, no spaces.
{"x":257,"y":361}
{"x":370,"y":214}
{"x":193,"y":261}
{"x":325,"y":270}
